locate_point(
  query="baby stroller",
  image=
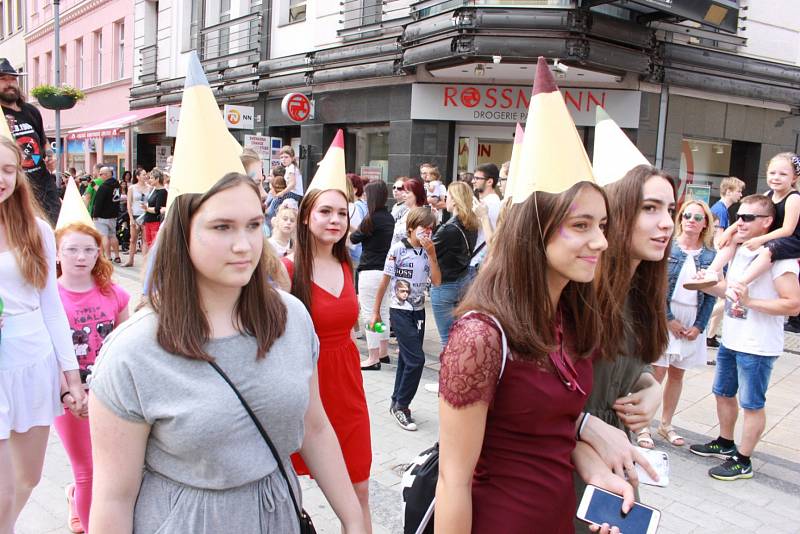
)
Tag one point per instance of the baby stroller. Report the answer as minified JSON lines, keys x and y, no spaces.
{"x":123,"y":231}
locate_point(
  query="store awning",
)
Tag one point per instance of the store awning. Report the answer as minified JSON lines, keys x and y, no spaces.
{"x":113,"y":126}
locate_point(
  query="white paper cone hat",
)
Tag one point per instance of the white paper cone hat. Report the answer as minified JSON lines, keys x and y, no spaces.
{"x":205,"y":150}
{"x":553,"y":158}
{"x":73,"y":210}
{"x":331,"y":172}
{"x":4,"y":131}
{"x":614,"y":153}
{"x":516,"y":155}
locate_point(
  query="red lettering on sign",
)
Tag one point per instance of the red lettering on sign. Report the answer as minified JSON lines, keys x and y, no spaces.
{"x":449,"y":93}
{"x":491,"y":96}
{"x":592,"y":99}
{"x":484,"y":150}
{"x":505,"y":94}
{"x":570,"y":99}
{"x":522,"y":99}
{"x":464,"y":149}
{"x":470,"y":97}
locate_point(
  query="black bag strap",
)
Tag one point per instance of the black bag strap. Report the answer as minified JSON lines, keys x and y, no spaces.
{"x":263,"y":435}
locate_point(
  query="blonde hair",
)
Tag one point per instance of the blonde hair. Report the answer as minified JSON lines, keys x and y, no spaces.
{"x":248,"y":157}
{"x":731,"y":183}
{"x":792,"y":158}
{"x":707,"y":234}
{"x":463,"y":198}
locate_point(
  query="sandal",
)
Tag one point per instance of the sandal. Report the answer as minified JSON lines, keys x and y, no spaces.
{"x":669,"y":434}
{"x":644,"y":439}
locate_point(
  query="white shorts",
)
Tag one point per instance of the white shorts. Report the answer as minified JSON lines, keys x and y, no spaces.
{"x":106,"y":227}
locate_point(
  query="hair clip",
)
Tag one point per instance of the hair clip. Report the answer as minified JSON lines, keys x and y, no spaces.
{"x":796,"y":164}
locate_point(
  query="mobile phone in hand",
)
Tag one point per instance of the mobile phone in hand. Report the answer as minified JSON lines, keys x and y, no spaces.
{"x":599,"y":506}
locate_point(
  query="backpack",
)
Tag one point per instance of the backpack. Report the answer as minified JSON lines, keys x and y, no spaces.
{"x":422,"y":474}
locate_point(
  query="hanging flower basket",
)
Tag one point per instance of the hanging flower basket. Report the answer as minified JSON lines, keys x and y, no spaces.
{"x":57,"y":98}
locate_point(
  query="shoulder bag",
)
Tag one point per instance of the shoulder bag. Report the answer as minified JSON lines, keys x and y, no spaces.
{"x":306,"y":526}
{"x":421,"y":475}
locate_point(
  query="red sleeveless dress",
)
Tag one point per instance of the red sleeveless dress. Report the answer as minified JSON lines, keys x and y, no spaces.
{"x":341,"y":387}
{"x":523,"y":479}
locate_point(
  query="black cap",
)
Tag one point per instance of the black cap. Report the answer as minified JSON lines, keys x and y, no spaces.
{"x":6,"y":68}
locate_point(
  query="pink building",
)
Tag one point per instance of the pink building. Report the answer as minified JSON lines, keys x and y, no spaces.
{"x":96,"y":40}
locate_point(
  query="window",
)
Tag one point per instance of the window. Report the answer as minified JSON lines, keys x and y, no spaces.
{"x":35,"y":71}
{"x":20,"y":14}
{"x":297,"y":11}
{"x":79,"y":63}
{"x":62,"y":60}
{"x":98,"y":57}
{"x":2,"y":20}
{"x":119,"y":29}
{"x":35,"y":6}
{"x":197,"y":23}
{"x":48,"y":68}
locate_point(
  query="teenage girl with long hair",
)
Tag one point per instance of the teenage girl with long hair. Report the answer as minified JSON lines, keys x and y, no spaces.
{"x":38,"y":368}
{"x":322,"y":280}
{"x":95,"y":306}
{"x":508,"y":420}
{"x":174,"y":449}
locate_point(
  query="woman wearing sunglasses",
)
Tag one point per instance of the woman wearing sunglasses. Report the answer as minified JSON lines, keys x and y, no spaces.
{"x":688,"y":311}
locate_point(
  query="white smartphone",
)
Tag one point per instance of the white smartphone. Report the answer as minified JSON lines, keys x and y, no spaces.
{"x":660,"y":462}
{"x":599,"y":506}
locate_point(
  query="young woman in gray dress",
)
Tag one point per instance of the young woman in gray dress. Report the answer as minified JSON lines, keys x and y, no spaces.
{"x":174,"y":449}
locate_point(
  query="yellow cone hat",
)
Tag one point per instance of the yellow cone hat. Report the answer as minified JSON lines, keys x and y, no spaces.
{"x":516,"y":156}
{"x":73,"y":210}
{"x":553,"y":158}
{"x":614,"y":153}
{"x":331,"y":172}
{"x":4,"y":131}
{"x":205,"y":150}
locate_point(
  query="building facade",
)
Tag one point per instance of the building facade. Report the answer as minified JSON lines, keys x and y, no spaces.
{"x":96,"y":55}
{"x":706,"y":88}
{"x":12,"y":35}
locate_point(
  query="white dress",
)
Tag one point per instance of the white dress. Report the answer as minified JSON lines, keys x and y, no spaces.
{"x":36,"y":344}
{"x":681,"y":352}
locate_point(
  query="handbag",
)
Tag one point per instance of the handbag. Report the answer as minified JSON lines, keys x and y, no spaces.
{"x":306,"y":526}
{"x":422,"y":474}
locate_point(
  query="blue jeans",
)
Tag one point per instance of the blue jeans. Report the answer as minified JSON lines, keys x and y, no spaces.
{"x":444,"y":299}
{"x":747,"y":374}
{"x":409,"y":328}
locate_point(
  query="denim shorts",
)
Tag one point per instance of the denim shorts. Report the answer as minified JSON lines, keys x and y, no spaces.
{"x":746,"y":373}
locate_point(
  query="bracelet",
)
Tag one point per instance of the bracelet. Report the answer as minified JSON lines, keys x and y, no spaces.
{"x":585,"y":418}
{"x":64,"y":395}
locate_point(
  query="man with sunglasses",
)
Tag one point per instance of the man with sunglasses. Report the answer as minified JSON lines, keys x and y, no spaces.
{"x":752,"y":339}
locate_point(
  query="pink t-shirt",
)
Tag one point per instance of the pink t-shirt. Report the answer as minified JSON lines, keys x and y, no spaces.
{"x":92,"y":316}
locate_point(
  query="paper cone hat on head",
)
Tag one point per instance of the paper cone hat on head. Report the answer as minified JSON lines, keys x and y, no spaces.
{"x":4,"y":130}
{"x":516,"y":156}
{"x":73,"y":210}
{"x":331,"y":173}
{"x":205,"y":150}
{"x":614,"y":153}
{"x":553,"y":158}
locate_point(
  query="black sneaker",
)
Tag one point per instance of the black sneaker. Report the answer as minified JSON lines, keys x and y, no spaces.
{"x":712,"y":342}
{"x":713,"y":448}
{"x":731,"y":469}
{"x":791,"y":326}
{"x":403,"y":418}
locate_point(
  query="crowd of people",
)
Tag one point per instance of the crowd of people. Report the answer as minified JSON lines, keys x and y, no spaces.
{"x":561,"y":306}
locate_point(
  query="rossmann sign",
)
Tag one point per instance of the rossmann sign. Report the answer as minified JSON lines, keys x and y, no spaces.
{"x":509,"y":103}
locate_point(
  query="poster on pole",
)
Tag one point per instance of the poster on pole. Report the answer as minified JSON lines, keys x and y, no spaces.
{"x":698,"y":192}
{"x":162,"y":153}
{"x":261,"y":144}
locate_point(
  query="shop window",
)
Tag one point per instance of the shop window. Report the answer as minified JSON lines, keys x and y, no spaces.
{"x":372,"y":152}
{"x":495,"y":151}
{"x":703,"y":166}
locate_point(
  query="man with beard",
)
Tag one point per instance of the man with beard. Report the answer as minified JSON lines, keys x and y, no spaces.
{"x":25,"y":123}
{"x":484,"y":183}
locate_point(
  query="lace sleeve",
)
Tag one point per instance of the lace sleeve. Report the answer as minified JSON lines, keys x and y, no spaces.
{"x":470,"y":363}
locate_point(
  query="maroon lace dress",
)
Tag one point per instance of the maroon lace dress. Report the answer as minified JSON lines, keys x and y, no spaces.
{"x":523,"y":478}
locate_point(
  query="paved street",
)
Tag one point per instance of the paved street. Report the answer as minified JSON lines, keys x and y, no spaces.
{"x":693,"y":502}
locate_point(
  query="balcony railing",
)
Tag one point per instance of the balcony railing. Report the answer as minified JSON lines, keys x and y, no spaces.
{"x":232,"y":42}
{"x":148,"y":62}
{"x":369,"y":18}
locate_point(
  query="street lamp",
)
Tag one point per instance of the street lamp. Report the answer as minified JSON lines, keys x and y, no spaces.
{"x":57,"y":55}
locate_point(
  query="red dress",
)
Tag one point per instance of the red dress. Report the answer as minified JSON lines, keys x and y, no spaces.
{"x":523,"y":478}
{"x":341,"y":387}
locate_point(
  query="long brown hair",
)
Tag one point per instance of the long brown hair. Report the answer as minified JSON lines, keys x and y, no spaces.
{"x":513,"y":285}
{"x":18,"y":216}
{"x":182,"y":325}
{"x":304,"y":251}
{"x":103,"y":269}
{"x":644,"y":292}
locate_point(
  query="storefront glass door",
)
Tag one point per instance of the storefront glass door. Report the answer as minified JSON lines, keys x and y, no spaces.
{"x":476,"y":145}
